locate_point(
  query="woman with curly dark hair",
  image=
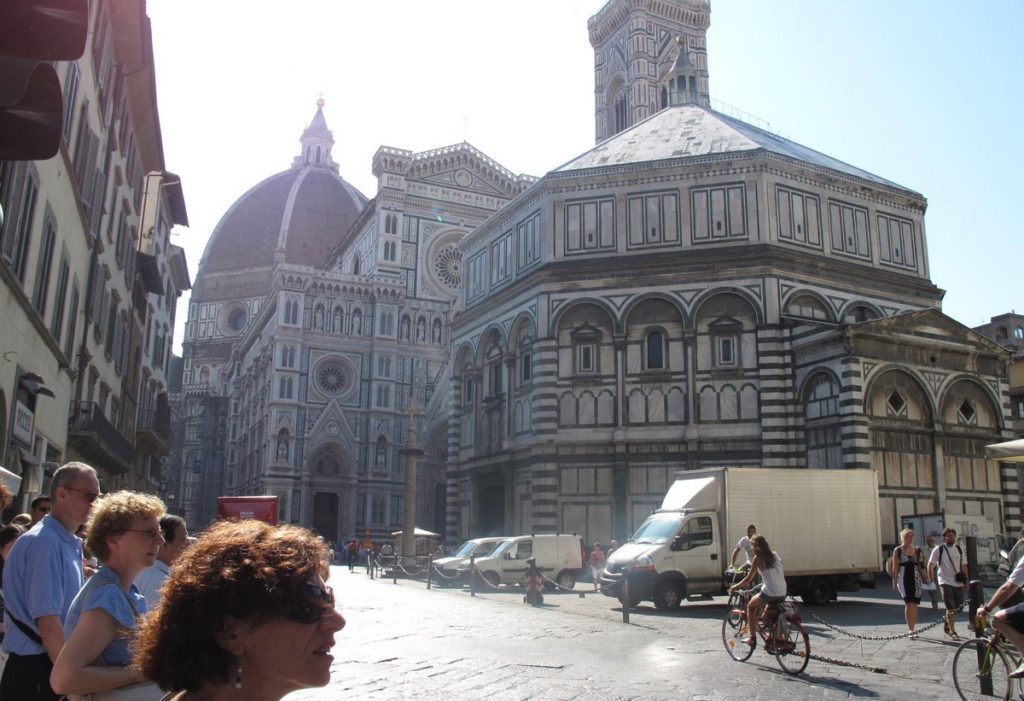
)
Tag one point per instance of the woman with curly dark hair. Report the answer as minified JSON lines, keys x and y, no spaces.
{"x":245,"y":614}
{"x":768,"y":564}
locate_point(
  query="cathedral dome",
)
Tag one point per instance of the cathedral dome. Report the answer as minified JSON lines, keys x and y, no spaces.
{"x":297,"y":216}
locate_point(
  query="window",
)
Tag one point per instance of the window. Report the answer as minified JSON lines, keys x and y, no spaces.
{"x":966,"y":414}
{"x":525,"y":367}
{"x":18,"y":230}
{"x":494,"y":375}
{"x":725,"y":350}
{"x":61,"y":297}
{"x":467,"y":387}
{"x":896,"y":404}
{"x":383,"y":397}
{"x":286,"y":388}
{"x":585,"y":357}
{"x":1018,"y":332}
{"x":390,"y":251}
{"x":70,"y":91}
{"x":69,"y":338}
{"x":377,"y":510}
{"x":291,"y":312}
{"x":698,"y":532}
{"x":655,"y":351}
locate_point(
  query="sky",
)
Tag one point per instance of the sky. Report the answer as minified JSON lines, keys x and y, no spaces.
{"x":925,"y":93}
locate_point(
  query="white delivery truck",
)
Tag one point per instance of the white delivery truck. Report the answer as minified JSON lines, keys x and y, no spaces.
{"x":559,"y":555}
{"x":823,"y":523}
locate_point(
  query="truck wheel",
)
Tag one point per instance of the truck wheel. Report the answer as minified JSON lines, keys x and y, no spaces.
{"x":668,"y":596}
{"x":819,"y":592}
{"x":566,"y":580}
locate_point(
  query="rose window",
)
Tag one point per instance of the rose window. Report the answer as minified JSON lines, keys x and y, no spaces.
{"x":448,"y":266}
{"x":332,"y":378}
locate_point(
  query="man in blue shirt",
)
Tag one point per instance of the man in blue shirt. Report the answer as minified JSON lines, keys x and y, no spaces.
{"x":41,"y":577}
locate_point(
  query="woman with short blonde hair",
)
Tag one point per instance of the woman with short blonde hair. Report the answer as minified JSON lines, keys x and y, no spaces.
{"x":124,"y":534}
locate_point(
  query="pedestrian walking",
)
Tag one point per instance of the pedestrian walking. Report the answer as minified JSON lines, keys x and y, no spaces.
{"x":596,"y":562}
{"x":353,"y":554}
{"x":905,"y":567}
{"x":948,"y":564}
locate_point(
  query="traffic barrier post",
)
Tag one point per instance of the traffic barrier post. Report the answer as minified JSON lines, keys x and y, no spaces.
{"x":430,"y":568}
{"x":472,"y":575}
{"x":624,"y":597}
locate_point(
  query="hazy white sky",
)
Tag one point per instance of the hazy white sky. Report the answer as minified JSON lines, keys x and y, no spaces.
{"x":926,"y":93}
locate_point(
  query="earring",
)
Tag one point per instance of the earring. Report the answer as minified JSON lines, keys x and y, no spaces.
{"x":238,"y":678}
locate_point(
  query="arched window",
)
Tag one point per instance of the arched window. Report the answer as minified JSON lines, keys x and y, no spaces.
{"x":204,"y":374}
{"x":1018,"y":332}
{"x":355,"y":265}
{"x":655,"y":351}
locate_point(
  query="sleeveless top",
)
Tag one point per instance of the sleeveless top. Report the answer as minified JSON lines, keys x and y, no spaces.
{"x":773,"y":578}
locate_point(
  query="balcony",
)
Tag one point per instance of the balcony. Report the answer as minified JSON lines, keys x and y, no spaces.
{"x":153,"y":430}
{"x":97,"y":441}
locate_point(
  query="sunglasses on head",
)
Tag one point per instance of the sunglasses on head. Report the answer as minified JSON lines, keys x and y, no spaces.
{"x":310,"y":604}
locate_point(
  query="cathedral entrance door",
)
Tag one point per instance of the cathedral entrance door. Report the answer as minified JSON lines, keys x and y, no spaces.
{"x":325,"y":515}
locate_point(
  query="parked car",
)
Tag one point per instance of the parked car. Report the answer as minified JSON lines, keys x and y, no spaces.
{"x":559,"y":555}
{"x":450,"y":568}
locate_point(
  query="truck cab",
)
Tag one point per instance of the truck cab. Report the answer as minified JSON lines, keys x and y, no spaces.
{"x":672,"y":555}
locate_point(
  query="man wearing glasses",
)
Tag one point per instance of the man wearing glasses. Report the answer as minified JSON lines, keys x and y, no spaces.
{"x":175,"y":534}
{"x":42,"y":575}
{"x":40,"y":507}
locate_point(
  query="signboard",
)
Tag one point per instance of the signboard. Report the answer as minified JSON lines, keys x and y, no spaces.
{"x":263,"y":508}
{"x":24,"y":420}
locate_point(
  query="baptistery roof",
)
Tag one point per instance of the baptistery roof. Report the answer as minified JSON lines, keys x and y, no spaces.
{"x":296,"y":216}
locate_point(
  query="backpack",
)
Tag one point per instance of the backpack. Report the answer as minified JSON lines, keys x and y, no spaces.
{"x":959,"y":570}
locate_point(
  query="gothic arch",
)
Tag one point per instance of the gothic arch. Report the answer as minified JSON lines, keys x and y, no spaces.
{"x":330,"y":460}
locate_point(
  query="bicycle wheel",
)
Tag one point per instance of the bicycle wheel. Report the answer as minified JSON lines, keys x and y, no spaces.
{"x":733,"y":611}
{"x":974,"y":659}
{"x":792,"y":646}
{"x":733,"y":636}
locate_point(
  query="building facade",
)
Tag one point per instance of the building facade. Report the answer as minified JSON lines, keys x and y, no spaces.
{"x":695,"y":292}
{"x":90,"y":274}
{"x":319,"y":323}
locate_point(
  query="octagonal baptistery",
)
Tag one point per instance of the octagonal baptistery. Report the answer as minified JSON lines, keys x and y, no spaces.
{"x":665,"y":301}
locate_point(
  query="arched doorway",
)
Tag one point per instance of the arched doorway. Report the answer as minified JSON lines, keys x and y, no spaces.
{"x":325,"y":515}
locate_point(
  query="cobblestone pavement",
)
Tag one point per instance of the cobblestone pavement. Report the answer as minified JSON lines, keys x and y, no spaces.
{"x":403,"y":641}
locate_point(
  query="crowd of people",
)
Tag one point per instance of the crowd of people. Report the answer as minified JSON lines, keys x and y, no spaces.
{"x":134,"y":610}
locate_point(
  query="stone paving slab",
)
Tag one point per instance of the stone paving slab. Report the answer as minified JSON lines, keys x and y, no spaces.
{"x":405,"y":642}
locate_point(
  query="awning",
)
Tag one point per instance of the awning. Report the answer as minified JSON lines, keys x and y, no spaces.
{"x":10,"y":479}
{"x":417,"y":532}
{"x":1010,"y":451}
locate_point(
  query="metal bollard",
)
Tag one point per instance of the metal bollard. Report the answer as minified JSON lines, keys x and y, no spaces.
{"x":394,"y":571}
{"x":977,"y":594}
{"x":624,"y":598}
{"x":472,"y":575}
{"x":371,"y":565}
{"x":430,"y":567}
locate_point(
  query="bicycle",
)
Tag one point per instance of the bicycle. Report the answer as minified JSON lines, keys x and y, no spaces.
{"x":985,"y":660}
{"x":738,"y":600}
{"x":784,"y":636}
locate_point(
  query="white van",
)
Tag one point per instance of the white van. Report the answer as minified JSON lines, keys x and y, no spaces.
{"x":449,"y":570}
{"x":559,"y":555}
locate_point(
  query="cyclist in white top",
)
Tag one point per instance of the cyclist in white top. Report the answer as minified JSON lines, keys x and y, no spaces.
{"x":1010,"y":621}
{"x":769,"y":565}
{"x":744,"y":546}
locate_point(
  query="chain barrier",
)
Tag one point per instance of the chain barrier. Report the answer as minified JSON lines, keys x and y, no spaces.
{"x":875,"y":638}
{"x":442,"y":575}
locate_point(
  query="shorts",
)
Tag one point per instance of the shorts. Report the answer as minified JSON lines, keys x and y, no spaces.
{"x":1014,"y":616}
{"x":773,"y":599}
{"x":911,"y":599}
{"x":952,"y":597}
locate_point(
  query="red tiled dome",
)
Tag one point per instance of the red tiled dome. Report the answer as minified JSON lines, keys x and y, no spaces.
{"x":302,"y":213}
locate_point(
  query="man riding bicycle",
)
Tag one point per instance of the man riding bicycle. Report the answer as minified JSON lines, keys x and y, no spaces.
{"x":1010,"y":621}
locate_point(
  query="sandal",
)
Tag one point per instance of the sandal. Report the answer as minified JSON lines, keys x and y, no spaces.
{"x":952,"y":634}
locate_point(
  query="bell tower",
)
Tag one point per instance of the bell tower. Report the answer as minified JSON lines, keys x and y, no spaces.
{"x":635,"y":47}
